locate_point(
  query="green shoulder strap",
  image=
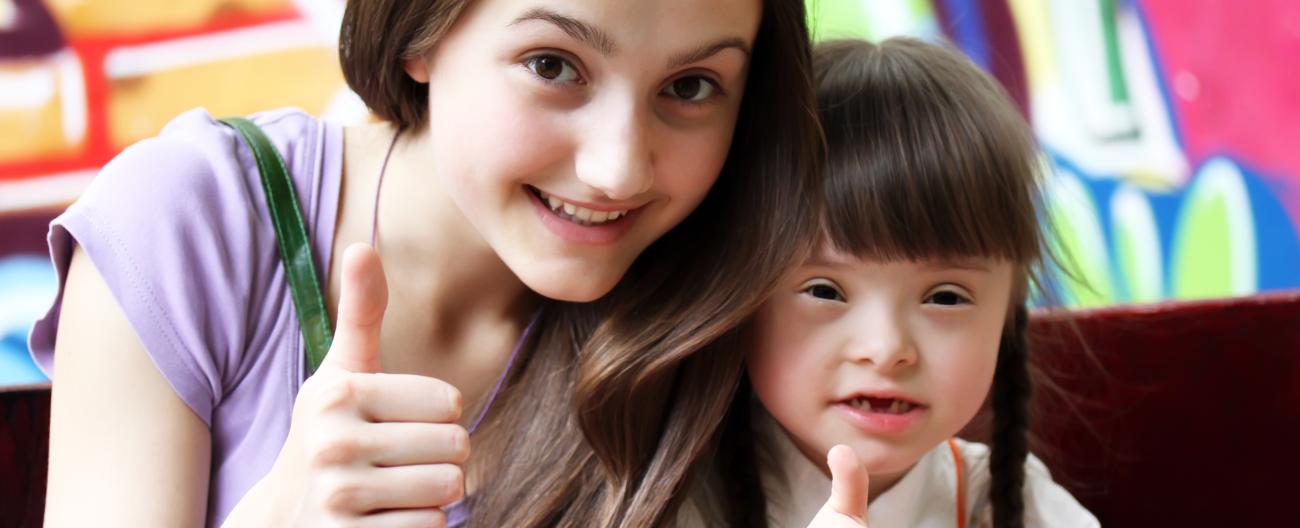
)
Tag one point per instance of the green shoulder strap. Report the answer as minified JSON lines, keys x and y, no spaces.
{"x":291,"y":237}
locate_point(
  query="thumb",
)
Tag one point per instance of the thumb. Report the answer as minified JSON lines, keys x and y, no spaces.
{"x":848,"y":483}
{"x":363,"y":297}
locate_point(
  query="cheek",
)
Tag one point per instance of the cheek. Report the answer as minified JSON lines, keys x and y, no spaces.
{"x":689,"y":162}
{"x":782,"y":365}
{"x":493,"y":135}
{"x":965,"y":375}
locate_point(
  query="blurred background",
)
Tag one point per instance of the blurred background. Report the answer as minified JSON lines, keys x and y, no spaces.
{"x":1172,"y":126}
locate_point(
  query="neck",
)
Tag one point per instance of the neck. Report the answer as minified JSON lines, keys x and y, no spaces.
{"x":429,"y":249}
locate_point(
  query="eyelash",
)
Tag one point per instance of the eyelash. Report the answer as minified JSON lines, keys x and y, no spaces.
{"x":530,"y":64}
{"x":839,"y":296}
{"x":961,"y":299}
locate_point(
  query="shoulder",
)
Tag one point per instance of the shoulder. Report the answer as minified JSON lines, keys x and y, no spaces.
{"x":177,"y":227}
{"x":1047,"y":503}
{"x":196,"y":161}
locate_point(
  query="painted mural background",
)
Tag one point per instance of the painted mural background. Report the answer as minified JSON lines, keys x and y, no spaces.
{"x":1172,"y":126}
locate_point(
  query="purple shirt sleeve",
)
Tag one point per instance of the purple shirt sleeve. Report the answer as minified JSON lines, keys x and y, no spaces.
{"x":175,"y":227}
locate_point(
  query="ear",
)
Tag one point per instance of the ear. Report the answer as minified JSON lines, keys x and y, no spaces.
{"x":417,"y":68}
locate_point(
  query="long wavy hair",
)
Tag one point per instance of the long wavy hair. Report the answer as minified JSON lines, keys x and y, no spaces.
{"x":927,"y":158}
{"x":603,"y":419}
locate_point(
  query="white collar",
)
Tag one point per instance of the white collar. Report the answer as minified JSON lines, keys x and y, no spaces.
{"x":926,"y":497}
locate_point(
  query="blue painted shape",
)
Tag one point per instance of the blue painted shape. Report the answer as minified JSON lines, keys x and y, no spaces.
{"x":27,"y":285}
{"x":1277,"y":245}
{"x":966,"y":26}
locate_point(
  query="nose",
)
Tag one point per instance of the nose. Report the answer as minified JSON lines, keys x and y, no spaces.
{"x":882,"y":339}
{"x":615,"y":156}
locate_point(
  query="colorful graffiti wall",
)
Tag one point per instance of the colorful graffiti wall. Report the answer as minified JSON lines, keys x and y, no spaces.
{"x":1172,"y":126}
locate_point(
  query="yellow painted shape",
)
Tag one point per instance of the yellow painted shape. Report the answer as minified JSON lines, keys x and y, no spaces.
{"x":307,"y":78}
{"x":126,"y":17}
{"x":34,"y":132}
{"x":1034,"y":28}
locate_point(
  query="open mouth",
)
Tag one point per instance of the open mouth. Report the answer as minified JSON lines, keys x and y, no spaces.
{"x":881,"y":405}
{"x":575,"y":213}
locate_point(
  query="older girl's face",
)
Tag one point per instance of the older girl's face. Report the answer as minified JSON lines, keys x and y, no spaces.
{"x":889,"y":358}
{"x":572,"y":134}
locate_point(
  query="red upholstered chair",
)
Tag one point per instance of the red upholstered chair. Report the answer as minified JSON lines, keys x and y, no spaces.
{"x":24,"y":452}
{"x":1183,"y":414}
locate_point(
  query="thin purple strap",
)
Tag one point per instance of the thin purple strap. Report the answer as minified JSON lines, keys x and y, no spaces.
{"x":506,"y":372}
{"x":374,"y":221}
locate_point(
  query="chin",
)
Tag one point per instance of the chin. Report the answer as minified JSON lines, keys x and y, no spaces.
{"x":570,"y":284}
{"x":886,"y":458}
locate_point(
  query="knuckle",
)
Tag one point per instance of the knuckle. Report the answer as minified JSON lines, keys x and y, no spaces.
{"x":333,"y":450}
{"x":341,"y":496}
{"x":454,"y":400}
{"x":451,"y":484}
{"x":459,"y":444}
{"x":437,"y":519}
{"x":337,"y":393}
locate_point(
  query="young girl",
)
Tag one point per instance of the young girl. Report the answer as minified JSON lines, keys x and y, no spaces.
{"x":534,"y":155}
{"x":912,"y":312}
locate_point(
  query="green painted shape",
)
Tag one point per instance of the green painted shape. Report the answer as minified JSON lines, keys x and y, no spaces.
{"x":829,"y":19}
{"x":1202,"y":256}
{"x":1081,"y":249}
{"x":1129,"y":256}
{"x":1137,"y":247}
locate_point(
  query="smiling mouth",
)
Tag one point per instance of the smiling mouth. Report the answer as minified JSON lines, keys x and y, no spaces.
{"x":577,"y":214}
{"x":881,"y":405}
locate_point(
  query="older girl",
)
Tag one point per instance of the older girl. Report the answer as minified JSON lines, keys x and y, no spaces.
{"x":534,"y":156}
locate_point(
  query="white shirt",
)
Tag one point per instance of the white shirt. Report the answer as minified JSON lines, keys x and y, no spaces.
{"x":926,"y":497}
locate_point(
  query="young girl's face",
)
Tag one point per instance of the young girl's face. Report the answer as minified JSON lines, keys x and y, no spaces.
{"x":572,"y":134}
{"x":890,"y":359}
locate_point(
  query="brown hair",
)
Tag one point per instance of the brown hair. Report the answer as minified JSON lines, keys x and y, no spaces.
{"x":927,"y":158}
{"x":602,"y":420}
{"x":376,"y":38}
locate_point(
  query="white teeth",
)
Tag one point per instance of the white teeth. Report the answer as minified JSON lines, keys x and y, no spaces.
{"x":893,"y":406}
{"x":580,"y":214}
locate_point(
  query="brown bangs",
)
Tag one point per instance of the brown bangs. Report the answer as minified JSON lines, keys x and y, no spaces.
{"x":927,"y":157}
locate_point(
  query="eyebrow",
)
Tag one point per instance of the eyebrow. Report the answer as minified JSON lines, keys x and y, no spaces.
{"x":708,"y":50}
{"x":599,"y":40}
{"x":579,"y":30}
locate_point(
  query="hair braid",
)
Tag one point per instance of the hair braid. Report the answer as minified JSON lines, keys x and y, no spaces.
{"x":1012,"y":387}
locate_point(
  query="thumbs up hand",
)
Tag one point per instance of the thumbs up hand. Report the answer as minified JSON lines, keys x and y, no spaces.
{"x":847,"y":506}
{"x":365,"y":448}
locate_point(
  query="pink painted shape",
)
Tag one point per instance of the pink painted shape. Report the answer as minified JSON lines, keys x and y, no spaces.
{"x":1233,"y":74}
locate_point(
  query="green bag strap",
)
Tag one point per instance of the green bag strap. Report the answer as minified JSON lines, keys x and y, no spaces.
{"x":291,"y":237}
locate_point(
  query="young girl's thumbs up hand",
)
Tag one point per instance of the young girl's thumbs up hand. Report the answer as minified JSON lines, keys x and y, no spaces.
{"x":364,"y":448}
{"x":847,"y":507}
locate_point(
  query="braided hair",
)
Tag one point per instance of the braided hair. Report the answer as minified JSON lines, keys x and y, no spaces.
{"x":1012,"y":388}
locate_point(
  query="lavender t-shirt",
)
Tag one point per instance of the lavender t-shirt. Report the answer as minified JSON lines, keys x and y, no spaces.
{"x":178,"y":227}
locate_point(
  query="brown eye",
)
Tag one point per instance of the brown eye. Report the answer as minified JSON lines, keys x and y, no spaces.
{"x":824,"y":292}
{"x":946,"y":298}
{"x":691,"y":89}
{"x":552,"y":68}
